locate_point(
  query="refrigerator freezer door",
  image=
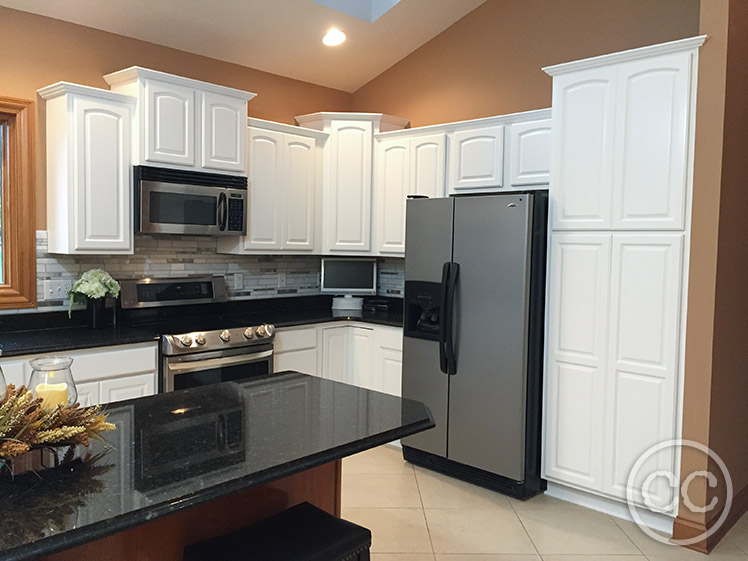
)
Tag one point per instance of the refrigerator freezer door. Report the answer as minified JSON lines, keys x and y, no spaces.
{"x":428,"y":245}
{"x":488,"y":392}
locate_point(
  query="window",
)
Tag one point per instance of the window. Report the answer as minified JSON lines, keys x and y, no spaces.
{"x":17,"y":226}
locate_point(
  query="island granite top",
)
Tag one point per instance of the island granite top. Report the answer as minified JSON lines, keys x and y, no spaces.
{"x":176,"y":450}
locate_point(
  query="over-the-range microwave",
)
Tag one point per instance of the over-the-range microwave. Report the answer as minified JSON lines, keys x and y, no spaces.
{"x":169,"y":201}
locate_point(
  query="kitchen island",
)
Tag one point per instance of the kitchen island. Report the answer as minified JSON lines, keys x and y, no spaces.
{"x":189,"y":465}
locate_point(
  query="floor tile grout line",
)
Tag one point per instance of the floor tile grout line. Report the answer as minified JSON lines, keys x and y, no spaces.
{"x":615,"y":521}
{"x":425,"y":518}
{"x":535,"y":547}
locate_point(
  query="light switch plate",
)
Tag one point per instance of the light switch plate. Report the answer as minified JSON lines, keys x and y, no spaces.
{"x":281,"y":279}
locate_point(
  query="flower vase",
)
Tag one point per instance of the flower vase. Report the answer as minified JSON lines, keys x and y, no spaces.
{"x":96,"y":307}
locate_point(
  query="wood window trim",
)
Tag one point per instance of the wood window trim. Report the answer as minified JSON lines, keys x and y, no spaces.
{"x":19,"y":235}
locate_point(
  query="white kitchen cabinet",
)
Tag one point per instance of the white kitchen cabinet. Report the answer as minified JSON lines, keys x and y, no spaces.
{"x":299,"y":196}
{"x":529,"y":154}
{"x":476,"y":159}
{"x":296,"y":349}
{"x":360,"y":354}
{"x":347,"y":177}
{"x":101,"y":374}
{"x":620,"y":149}
{"x":89,"y":185}
{"x":265,"y":203}
{"x":404,"y":166}
{"x":335,"y":361}
{"x":388,"y":360}
{"x":182,"y":122}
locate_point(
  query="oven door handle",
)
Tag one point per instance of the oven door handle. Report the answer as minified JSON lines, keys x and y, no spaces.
{"x":196,"y":365}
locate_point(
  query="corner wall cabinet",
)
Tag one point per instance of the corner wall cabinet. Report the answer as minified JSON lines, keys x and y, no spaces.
{"x":102,"y":375}
{"x":89,"y":180}
{"x":283,"y":190}
{"x":347,"y":177}
{"x":185,"y":123}
{"x":621,"y":177}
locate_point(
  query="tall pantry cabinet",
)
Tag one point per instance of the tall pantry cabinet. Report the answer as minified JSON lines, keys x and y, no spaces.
{"x":620,"y":196}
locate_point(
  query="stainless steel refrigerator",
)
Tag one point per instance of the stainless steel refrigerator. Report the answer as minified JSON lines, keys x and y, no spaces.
{"x":473,"y":335}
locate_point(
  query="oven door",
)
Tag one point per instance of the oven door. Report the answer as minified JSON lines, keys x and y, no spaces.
{"x":202,"y":369}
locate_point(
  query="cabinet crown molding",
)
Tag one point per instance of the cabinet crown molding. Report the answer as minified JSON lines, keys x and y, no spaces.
{"x":61,"y":88}
{"x":136,"y":72}
{"x":670,"y":47}
{"x":283,"y":127}
{"x":317,"y":119}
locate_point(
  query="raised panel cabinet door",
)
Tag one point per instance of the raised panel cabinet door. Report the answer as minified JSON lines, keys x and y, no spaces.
{"x":169,"y":123}
{"x":335,"y":361}
{"x":651,"y":143}
{"x":582,"y":149}
{"x":427,"y":164}
{"x":265,"y":189}
{"x":476,"y":159}
{"x":389,"y":360}
{"x":299,"y":187}
{"x":575,"y":381}
{"x":392,"y":188}
{"x":645,"y":307}
{"x":102,"y":194}
{"x":88,"y":394}
{"x":224,"y":121}
{"x":304,"y":360}
{"x":348,"y":197}
{"x":362,"y":353}
{"x":530,"y":153}
{"x":127,"y":387}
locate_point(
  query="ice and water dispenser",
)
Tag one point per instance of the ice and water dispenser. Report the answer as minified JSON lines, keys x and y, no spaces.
{"x":422,"y":309}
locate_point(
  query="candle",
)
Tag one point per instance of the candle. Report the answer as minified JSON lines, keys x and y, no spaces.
{"x":52,"y":394}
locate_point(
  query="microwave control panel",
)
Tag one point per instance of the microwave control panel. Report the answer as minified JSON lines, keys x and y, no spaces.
{"x":236,"y":215}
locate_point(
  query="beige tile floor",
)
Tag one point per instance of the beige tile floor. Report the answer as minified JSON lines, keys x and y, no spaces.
{"x":418,"y":515}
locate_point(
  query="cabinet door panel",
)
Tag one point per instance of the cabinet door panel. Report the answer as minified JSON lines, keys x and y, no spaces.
{"x":102,"y":218}
{"x":304,"y":360}
{"x":652,"y":143}
{"x":223,"y":122}
{"x":348,"y":199}
{"x":362,"y":349}
{"x":169,"y":124}
{"x":476,"y":159}
{"x":128,"y":387}
{"x":393,"y":187}
{"x":265,"y":182}
{"x":299,"y":193}
{"x":582,"y":149}
{"x":335,"y":360}
{"x":530,"y":153}
{"x":88,"y":394}
{"x":643,"y":355}
{"x":427,"y":162}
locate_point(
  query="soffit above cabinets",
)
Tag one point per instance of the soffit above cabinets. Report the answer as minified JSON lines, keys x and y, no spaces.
{"x":278,"y":36}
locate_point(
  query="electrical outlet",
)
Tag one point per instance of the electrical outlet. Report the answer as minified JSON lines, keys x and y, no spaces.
{"x":57,"y":289}
{"x":281,"y":280}
{"x":238,"y":281}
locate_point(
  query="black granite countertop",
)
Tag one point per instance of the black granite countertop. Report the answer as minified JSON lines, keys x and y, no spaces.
{"x":34,"y":333}
{"x":153,"y":466}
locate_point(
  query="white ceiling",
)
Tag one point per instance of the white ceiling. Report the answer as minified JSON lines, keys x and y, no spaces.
{"x":278,"y":36}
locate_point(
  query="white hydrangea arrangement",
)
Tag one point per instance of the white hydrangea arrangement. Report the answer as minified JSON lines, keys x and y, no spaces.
{"x":93,"y":284}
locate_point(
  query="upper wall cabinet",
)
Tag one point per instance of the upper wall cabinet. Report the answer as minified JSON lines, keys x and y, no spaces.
{"x":529,"y":153}
{"x":185,"y":123}
{"x":283,"y":190}
{"x":620,"y":145}
{"x":404,"y":166}
{"x":476,"y":159}
{"x":347,"y":177}
{"x":88,"y":170}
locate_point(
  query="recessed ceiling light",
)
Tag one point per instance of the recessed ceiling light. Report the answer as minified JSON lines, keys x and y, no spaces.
{"x":333,"y":37}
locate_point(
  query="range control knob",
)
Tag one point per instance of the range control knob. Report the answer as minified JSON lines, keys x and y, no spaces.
{"x":225,"y":336}
{"x":265,"y":330}
{"x":269,"y":329}
{"x":186,"y":340}
{"x":200,"y":339}
{"x":261,"y":331}
{"x":249,"y":333}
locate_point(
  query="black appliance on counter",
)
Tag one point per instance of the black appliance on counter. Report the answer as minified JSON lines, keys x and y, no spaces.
{"x":473,"y":336}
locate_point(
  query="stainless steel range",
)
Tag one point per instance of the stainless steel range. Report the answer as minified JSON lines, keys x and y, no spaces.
{"x":205,"y":355}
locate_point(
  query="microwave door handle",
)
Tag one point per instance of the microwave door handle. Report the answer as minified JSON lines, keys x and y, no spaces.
{"x":222,"y":212}
{"x":196,"y":365}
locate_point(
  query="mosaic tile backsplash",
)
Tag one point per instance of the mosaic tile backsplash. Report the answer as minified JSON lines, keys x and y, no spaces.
{"x":176,"y":256}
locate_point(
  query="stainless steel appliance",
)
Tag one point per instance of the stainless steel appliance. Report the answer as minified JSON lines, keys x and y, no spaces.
{"x":188,"y":202}
{"x":473,"y":335}
{"x":211,"y":353}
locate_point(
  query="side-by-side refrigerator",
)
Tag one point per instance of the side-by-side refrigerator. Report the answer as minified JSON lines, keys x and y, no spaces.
{"x":473,"y":335}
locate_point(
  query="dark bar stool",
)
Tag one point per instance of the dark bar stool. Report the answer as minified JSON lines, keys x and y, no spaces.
{"x":301,"y":533}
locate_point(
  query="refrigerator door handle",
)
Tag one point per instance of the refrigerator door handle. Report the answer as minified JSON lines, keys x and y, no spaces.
{"x":443,"y":318}
{"x":454,"y":271}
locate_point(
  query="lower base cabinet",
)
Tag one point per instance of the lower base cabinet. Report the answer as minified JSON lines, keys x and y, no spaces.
{"x":363,"y":355}
{"x":102,"y":375}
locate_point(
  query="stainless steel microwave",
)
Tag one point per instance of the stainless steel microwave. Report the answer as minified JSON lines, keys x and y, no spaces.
{"x":172,"y":201}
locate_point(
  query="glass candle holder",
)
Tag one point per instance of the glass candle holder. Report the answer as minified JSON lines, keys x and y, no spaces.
{"x":3,"y":385}
{"x":52,"y":380}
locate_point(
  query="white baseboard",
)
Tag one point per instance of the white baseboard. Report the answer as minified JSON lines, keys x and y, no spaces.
{"x":656,"y":521}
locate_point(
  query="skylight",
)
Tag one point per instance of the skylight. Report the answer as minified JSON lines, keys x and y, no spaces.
{"x":367,"y":10}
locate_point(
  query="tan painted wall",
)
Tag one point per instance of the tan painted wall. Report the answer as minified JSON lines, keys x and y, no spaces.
{"x":489,"y":63}
{"x":38,"y":51}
